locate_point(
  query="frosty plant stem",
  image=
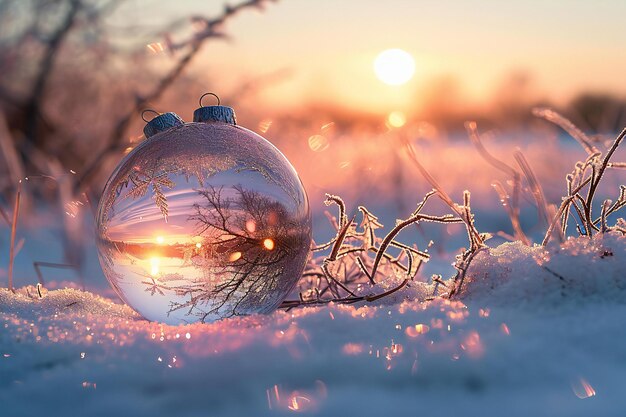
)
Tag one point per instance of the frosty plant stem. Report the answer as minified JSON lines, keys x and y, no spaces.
{"x":415,"y":218}
{"x":565,"y":124}
{"x":598,"y":168}
{"x":596,"y":177}
{"x":476,"y":240}
{"x":464,"y":212}
{"x":578,"y":180}
{"x":349,"y":269}
{"x":510,"y":204}
{"x":38,"y":265}
{"x":535,"y":187}
{"x":16,"y":209}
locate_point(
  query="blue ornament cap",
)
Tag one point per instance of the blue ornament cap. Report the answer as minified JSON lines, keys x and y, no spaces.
{"x":212,"y":114}
{"x":161,"y":123}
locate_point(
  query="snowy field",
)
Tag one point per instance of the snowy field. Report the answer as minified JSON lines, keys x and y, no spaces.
{"x":466,"y":184}
{"x":526,"y":343}
{"x":538,"y":332}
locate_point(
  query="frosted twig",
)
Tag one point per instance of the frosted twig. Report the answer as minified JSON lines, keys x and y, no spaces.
{"x":597,"y":174}
{"x":464,"y":212}
{"x":565,"y":124}
{"x":593,"y":180}
{"x":562,"y":208}
{"x":617,"y":165}
{"x":574,"y":204}
{"x":350,"y":259}
{"x":289,"y":304}
{"x":466,"y":259}
{"x":617,"y":205}
{"x":333,"y":256}
{"x":343,"y":218}
{"x":605,"y":205}
{"x":448,"y":218}
{"x":475,"y":238}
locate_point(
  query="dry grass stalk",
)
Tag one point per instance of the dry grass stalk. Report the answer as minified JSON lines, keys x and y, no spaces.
{"x":464,"y":212}
{"x":476,"y":239}
{"x":464,"y":260}
{"x":564,"y":123}
{"x":16,"y":210}
{"x":38,"y":265}
{"x":9,"y":155}
{"x":5,"y":216}
{"x":535,"y":187}
{"x":510,"y":203}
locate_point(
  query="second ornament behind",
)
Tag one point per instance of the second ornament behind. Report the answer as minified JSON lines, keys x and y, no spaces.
{"x":203,"y":221}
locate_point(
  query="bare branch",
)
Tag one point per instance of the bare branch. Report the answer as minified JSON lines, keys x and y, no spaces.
{"x":117,"y":136}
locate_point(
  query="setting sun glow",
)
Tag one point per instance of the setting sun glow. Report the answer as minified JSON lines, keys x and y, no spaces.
{"x":394,"y":66}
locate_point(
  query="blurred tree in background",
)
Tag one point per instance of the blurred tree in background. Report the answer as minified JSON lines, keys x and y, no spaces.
{"x":73,"y":82}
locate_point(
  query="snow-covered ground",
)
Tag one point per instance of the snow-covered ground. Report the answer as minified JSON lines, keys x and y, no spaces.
{"x":537,"y":333}
{"x":527,"y":342}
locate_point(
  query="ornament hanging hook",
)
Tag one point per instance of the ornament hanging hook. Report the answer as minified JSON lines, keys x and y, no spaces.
{"x":209,"y":94}
{"x":148,"y":111}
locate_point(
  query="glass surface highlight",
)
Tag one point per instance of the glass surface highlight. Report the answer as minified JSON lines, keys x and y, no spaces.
{"x":203,"y":221}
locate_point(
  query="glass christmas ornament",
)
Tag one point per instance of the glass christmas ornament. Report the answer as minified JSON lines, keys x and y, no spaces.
{"x":202,"y":221}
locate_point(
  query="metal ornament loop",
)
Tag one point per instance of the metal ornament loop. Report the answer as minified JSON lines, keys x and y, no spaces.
{"x":215,"y":113}
{"x":209,"y":94}
{"x":148,"y":111}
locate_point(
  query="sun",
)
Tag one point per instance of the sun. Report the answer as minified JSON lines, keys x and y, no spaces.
{"x":394,"y":66}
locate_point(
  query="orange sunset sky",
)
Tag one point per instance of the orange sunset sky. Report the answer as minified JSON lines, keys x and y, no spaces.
{"x":326,"y":48}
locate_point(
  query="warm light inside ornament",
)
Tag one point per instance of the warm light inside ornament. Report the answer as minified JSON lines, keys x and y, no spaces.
{"x":202,"y":221}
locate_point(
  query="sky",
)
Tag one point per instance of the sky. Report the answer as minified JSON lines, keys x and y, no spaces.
{"x":325,"y":49}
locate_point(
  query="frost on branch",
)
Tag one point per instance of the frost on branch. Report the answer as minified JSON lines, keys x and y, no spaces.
{"x":583,"y":183}
{"x":590,"y":265}
{"x":360,"y":266}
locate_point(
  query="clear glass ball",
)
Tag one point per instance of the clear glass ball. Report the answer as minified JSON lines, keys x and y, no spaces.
{"x":203,"y":221}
